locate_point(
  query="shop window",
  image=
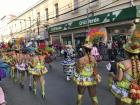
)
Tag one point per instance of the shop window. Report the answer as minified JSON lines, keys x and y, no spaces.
{"x":30,"y":21}
{"x":67,"y":40}
{"x":75,"y":6}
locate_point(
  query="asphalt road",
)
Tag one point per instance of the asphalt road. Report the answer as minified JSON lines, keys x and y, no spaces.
{"x":58,"y":90}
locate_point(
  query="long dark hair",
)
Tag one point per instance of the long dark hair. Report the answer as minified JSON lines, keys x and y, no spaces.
{"x":87,"y":51}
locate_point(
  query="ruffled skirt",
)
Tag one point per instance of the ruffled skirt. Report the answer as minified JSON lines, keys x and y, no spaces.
{"x":122,"y":94}
{"x":83,"y":81}
{"x":37,"y":72}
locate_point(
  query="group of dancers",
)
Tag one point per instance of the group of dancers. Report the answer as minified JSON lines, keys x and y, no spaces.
{"x":124,"y":74}
{"x":124,"y":78}
{"x":26,"y":64}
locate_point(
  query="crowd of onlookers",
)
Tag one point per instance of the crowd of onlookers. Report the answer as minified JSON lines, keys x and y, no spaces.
{"x":105,"y":50}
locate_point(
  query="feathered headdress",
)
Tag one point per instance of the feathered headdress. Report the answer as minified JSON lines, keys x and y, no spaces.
{"x":93,"y":37}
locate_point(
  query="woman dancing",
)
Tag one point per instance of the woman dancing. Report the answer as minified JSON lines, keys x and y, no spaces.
{"x":126,"y":85}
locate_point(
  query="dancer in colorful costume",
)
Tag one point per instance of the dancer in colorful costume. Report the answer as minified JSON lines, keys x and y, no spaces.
{"x":69,"y":62}
{"x":38,"y":70}
{"x":22,"y":67}
{"x":12,"y":63}
{"x":86,"y":75}
{"x":126,"y":85}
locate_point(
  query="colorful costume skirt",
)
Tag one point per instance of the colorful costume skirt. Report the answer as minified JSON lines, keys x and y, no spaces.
{"x":83,"y":81}
{"x":21,"y":67}
{"x":37,"y":72}
{"x":122,"y":92}
{"x":68,"y":67}
{"x":68,"y":70}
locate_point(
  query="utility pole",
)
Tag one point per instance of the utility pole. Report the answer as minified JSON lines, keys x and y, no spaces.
{"x":38,"y":23}
{"x":88,"y":19}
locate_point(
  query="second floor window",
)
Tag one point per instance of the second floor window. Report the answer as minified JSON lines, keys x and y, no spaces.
{"x":38,"y":18}
{"x":47,"y":15}
{"x":56,"y":10}
{"x":30,"y":22}
{"x":94,"y":3}
{"x":75,"y":5}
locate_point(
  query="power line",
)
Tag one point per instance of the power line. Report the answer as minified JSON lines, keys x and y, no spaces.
{"x":67,"y":7}
{"x":67,"y":13}
{"x":95,"y":11}
{"x":59,"y":11}
{"x":50,"y":13}
{"x":69,"y":10}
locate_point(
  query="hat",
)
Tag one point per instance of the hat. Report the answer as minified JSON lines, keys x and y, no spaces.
{"x":88,"y":45}
{"x":134,"y":46}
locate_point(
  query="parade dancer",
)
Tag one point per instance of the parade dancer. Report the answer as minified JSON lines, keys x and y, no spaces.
{"x":126,"y":85}
{"x":69,"y":62}
{"x":86,"y":75}
{"x":12,"y":61}
{"x":28,"y":63}
{"x":38,"y":70}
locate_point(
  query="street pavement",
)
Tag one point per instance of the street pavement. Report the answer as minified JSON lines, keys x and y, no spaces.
{"x":58,"y":90}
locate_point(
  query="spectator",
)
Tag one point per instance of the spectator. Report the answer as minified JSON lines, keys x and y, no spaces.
{"x":109,"y":49}
{"x":95,"y":53}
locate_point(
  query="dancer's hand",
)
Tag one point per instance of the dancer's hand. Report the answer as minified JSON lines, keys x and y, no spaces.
{"x":98,"y":78}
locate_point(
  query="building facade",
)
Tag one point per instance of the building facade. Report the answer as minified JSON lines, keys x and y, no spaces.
{"x":65,"y":22}
{"x":117,"y":18}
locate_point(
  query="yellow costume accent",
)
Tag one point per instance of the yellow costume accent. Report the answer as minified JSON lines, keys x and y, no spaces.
{"x":39,"y":69}
{"x":121,"y":89}
{"x":85,"y":76}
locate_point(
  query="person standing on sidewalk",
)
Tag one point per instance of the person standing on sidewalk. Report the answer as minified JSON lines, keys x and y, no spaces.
{"x":109,"y":49}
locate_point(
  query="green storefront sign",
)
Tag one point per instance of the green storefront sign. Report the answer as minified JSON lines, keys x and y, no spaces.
{"x":115,"y":16}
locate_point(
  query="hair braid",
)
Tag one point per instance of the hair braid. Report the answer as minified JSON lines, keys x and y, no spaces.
{"x":138,"y":67}
{"x":134,"y":67}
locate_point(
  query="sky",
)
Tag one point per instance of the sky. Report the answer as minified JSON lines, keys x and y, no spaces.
{"x":14,"y":7}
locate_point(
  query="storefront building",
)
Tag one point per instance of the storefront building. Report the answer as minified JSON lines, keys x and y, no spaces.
{"x":116,"y":24}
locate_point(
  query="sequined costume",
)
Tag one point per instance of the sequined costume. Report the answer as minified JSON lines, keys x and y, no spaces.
{"x":126,"y":85}
{"x":85,"y":75}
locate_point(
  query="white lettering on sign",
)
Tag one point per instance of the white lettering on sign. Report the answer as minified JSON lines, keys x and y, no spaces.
{"x":83,"y":22}
{"x":90,"y":21}
{"x":116,"y":13}
{"x":56,"y":28}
